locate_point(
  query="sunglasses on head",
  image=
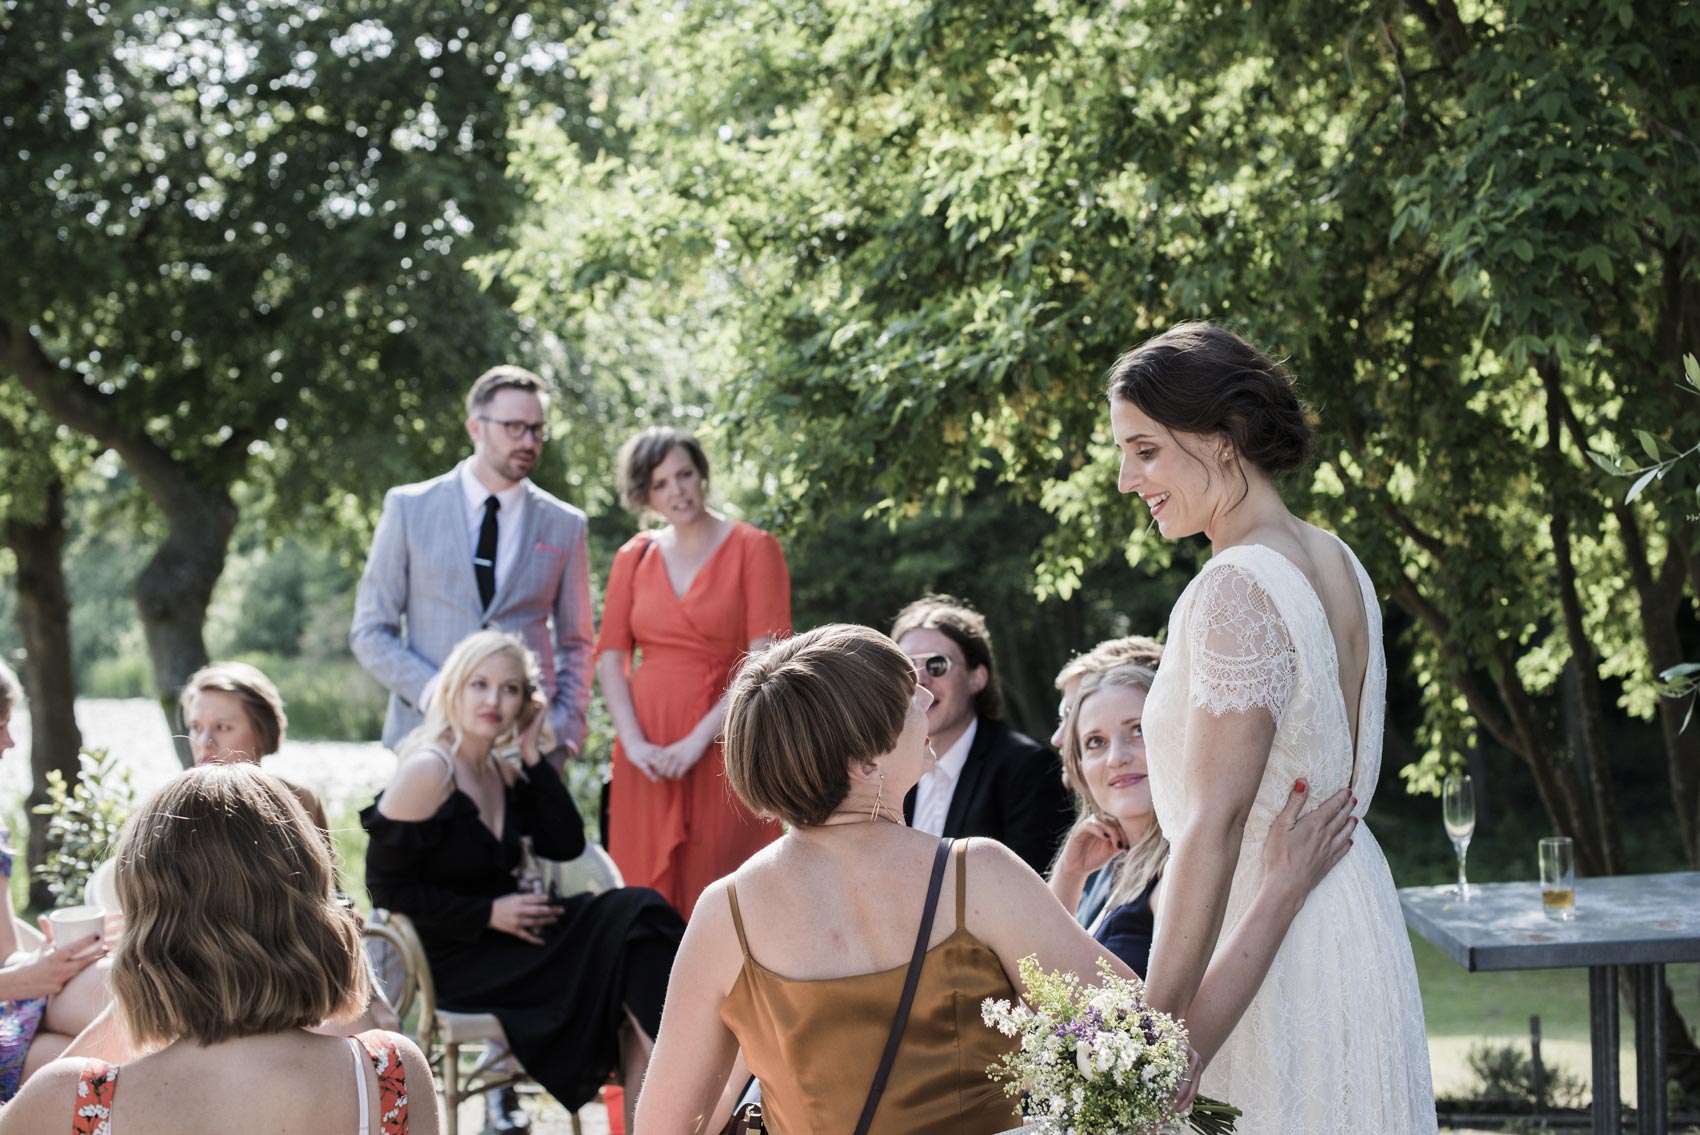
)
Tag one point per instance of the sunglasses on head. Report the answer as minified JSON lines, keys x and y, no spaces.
{"x":936,"y":665}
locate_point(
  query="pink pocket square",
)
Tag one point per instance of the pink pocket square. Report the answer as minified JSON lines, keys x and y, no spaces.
{"x":549,"y":548}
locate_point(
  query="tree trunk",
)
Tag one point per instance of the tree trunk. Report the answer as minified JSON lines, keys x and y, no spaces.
{"x":44,"y":623}
{"x":174,"y":589}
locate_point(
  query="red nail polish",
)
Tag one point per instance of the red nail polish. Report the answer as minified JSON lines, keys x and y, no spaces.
{"x":1300,"y":786}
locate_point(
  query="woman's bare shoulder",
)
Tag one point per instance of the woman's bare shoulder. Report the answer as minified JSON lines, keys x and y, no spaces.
{"x":422,"y":781}
{"x":46,"y":1102}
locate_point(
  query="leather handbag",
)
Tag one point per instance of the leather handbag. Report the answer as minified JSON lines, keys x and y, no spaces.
{"x":747,"y":1116}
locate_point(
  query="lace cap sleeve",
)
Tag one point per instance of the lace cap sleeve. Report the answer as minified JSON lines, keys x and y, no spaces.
{"x":1241,"y":655}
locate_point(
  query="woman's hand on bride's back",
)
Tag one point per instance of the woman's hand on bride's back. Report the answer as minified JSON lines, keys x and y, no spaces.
{"x":1300,"y":850}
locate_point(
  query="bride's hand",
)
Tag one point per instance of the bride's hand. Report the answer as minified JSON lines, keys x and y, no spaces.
{"x":1301,"y":850}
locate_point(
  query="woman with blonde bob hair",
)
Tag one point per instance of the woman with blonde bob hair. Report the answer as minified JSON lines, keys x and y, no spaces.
{"x":799,"y":957}
{"x":576,"y":982}
{"x":235,"y":946}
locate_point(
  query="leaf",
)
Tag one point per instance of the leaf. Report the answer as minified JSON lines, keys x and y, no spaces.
{"x":1680,"y":670}
{"x":1648,"y":445}
{"x":1609,"y":464}
{"x":1645,"y":480}
{"x":1691,"y":368}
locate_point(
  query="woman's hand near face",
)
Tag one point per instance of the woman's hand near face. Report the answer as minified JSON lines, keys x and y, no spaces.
{"x":1091,"y":843}
{"x":1300,"y":850}
{"x":539,"y":713}
{"x":523,"y":915}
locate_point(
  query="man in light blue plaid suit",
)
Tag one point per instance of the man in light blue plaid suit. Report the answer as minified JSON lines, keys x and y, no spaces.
{"x":480,"y":547}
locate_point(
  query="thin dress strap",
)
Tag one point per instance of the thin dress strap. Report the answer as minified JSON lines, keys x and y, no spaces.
{"x":961,"y":849}
{"x":359,"y":1055}
{"x":95,"y":1088}
{"x":737,"y":919}
{"x":392,"y":1081}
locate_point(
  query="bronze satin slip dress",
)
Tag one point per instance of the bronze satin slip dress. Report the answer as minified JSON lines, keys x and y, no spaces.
{"x":815,"y":1044}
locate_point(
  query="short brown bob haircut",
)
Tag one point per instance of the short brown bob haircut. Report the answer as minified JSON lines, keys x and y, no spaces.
{"x":801,"y":711}
{"x":504,"y":377}
{"x":956,"y":620}
{"x":259,"y":698}
{"x":645,"y":450}
{"x":232,"y":927}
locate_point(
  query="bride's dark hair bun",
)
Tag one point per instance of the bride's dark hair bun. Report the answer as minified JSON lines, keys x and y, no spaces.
{"x":1204,"y":379}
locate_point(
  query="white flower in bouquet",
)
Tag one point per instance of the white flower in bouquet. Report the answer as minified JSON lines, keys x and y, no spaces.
{"x":1097,"y":1061}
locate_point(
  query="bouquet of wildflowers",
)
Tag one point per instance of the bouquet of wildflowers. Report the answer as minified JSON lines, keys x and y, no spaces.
{"x":1097,"y":1060}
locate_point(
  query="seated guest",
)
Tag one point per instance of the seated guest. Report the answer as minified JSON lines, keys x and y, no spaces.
{"x":232,"y":712}
{"x":826,"y":732}
{"x":577,"y":983}
{"x":1117,"y":840}
{"x":234,"y":947}
{"x":1135,"y":649}
{"x":47,"y":996}
{"x":989,"y":780}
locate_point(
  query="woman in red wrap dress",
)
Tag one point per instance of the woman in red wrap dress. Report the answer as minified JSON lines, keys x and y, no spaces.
{"x":685,"y":604}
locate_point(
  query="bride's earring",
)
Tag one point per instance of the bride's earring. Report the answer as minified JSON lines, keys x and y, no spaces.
{"x":879,"y":800}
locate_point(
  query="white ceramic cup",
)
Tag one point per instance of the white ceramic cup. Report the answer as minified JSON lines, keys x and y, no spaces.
{"x":74,"y":923}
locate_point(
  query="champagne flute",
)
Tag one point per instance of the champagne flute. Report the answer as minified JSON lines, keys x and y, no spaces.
{"x":1458,"y":806}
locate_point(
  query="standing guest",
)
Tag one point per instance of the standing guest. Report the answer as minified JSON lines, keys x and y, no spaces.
{"x":799,"y":958}
{"x":480,"y":547}
{"x":690,"y":599}
{"x":1274,"y":672}
{"x":234,"y":949}
{"x":989,"y":779}
{"x":577,"y":983}
{"x":1133,"y":650}
{"x":232,"y":712}
{"x":48,"y":996}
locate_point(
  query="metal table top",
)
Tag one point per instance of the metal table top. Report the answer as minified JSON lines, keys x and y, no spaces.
{"x":1622,"y":920}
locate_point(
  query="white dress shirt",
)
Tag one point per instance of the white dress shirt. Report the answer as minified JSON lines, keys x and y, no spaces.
{"x":512,"y":500}
{"x":938,"y":784}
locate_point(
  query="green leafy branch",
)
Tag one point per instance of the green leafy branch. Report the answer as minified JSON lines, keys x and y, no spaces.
{"x":1662,"y":454}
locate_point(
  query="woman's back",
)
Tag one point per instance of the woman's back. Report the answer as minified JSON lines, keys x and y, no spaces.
{"x":826,"y":949}
{"x":294,"y":1081}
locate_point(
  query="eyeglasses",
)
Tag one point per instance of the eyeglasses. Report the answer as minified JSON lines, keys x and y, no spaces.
{"x":936,"y":665}
{"x":516,"y":430}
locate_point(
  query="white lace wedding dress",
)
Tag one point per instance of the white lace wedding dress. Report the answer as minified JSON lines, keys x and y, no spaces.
{"x":1334,"y":1040}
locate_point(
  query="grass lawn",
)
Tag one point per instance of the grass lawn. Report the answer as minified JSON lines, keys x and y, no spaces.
{"x":1463,"y":1009}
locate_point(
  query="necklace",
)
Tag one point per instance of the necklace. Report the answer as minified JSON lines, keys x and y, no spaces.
{"x":857,"y":816}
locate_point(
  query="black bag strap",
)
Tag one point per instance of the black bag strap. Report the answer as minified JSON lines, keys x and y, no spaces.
{"x":889,"y":1057}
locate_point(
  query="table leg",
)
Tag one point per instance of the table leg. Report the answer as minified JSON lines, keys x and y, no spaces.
{"x":1602,"y":1038}
{"x":1651,"y":1111}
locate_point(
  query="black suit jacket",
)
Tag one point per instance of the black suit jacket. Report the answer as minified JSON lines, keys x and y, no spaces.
{"x":1011,"y":789}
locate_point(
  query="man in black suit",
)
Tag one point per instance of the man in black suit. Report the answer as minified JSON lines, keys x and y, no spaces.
{"x":988,"y":780}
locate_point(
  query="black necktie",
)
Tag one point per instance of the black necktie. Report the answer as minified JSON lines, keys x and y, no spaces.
{"x":484,"y":563}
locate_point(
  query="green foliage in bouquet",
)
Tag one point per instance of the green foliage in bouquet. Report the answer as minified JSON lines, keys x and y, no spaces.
{"x":1096,"y":1059}
{"x":83,"y":823}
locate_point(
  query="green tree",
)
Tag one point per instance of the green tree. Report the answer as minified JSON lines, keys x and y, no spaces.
{"x":239,"y":238}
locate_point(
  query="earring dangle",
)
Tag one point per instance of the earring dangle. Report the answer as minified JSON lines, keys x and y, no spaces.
{"x":879,"y":800}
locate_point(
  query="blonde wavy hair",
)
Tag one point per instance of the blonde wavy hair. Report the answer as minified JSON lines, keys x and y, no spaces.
{"x":442,"y":723}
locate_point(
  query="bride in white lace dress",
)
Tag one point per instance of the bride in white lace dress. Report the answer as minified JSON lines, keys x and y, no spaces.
{"x":1273,"y":672}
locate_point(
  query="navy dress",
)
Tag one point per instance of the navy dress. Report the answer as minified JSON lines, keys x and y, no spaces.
{"x":561,"y":1003}
{"x":1125,"y":931}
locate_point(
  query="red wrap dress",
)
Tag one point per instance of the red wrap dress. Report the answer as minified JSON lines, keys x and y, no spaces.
{"x":678,"y":836}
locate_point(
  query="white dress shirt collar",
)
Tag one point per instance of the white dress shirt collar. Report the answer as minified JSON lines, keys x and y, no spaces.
{"x":938,"y":784}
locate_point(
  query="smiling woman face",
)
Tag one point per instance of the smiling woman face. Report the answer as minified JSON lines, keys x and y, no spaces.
{"x":1112,"y":754}
{"x":1169,"y":471}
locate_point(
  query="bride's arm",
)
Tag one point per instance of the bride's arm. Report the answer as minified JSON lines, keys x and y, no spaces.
{"x":1296,"y":856}
{"x":1224,"y":764}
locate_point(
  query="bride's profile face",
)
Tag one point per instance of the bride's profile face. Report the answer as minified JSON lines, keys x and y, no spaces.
{"x":1169,"y":471}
